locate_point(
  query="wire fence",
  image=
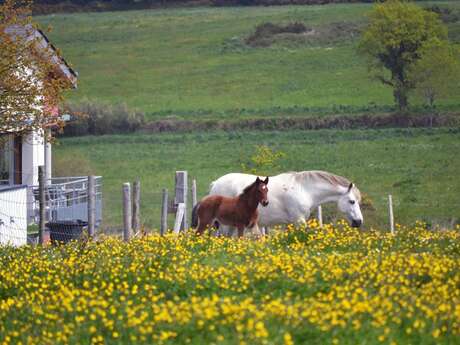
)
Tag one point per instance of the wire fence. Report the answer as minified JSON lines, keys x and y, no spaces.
{"x":374,"y":206}
{"x":13,"y":215}
{"x":65,"y":210}
{"x":67,"y":199}
{"x":435,"y":212}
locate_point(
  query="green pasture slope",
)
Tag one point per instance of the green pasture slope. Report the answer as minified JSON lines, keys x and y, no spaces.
{"x":181,"y":61}
{"x":418,"y":166}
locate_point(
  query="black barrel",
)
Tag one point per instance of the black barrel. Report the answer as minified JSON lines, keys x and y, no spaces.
{"x":66,"y":230}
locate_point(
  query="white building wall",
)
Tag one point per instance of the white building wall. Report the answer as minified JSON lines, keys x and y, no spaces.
{"x":33,"y":155}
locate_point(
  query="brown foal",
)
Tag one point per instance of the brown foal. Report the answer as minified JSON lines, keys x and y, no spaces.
{"x":240,"y":212}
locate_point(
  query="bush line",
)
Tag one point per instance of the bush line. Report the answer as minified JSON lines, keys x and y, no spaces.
{"x":92,"y":118}
{"x":308,"y":123}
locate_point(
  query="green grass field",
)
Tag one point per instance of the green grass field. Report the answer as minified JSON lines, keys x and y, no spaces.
{"x":190,"y":63}
{"x":418,"y":166}
{"x":180,"y":61}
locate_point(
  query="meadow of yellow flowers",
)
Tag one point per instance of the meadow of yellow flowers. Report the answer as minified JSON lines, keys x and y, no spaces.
{"x":330,"y":285}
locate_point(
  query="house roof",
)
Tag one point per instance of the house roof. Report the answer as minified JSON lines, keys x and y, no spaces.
{"x":44,"y":46}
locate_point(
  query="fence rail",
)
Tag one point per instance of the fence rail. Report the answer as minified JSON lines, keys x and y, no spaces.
{"x":67,"y":206}
{"x":63,"y":205}
{"x":66,"y":198}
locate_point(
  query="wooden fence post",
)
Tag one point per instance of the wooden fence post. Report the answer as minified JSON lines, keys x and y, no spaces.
{"x":180,"y":215}
{"x":193,"y":193}
{"x":164,"y":213}
{"x":390,"y":211}
{"x":181,"y":195}
{"x":41,"y":203}
{"x":136,"y":206}
{"x":91,"y":194}
{"x":320,"y":216}
{"x":127,"y":218}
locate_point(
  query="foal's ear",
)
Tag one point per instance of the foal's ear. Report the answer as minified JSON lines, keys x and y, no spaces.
{"x":258,"y":180}
{"x":350,"y":187}
{"x":266,"y":180}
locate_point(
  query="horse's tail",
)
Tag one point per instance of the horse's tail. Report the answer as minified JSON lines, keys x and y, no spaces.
{"x":195,"y":215}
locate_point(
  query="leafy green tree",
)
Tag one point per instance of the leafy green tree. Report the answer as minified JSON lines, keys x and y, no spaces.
{"x":437,"y":73}
{"x":392,"y":41}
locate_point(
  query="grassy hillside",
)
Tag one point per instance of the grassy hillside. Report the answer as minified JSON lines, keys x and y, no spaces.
{"x":419,"y":167}
{"x":181,"y":61}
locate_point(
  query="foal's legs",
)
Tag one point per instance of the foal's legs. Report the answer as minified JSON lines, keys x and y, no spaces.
{"x":225,"y":230}
{"x":201,"y":227}
{"x":240,"y":231}
{"x":203,"y":223}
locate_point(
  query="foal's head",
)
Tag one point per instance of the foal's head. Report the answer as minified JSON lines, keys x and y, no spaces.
{"x":260,"y":190}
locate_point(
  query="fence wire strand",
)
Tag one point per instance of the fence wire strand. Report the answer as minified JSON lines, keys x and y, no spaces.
{"x":66,"y":210}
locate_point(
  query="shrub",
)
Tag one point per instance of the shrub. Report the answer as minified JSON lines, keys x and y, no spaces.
{"x":264,"y":161}
{"x":264,"y":34}
{"x":446,"y":14}
{"x":91,"y":118}
{"x":267,"y":34}
{"x":280,"y":2}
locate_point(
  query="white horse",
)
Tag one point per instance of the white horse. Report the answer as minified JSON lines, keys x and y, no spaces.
{"x":293,"y":195}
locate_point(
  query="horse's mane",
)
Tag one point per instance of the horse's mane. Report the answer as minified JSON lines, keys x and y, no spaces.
{"x":248,"y":188}
{"x":332,"y":179}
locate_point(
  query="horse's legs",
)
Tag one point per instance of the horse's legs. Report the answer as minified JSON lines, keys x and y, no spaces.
{"x":230,"y":231}
{"x":301,"y":221}
{"x":240,"y":231}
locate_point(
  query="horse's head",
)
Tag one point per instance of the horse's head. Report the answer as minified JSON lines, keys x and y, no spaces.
{"x":348,"y":203}
{"x":262,"y":191}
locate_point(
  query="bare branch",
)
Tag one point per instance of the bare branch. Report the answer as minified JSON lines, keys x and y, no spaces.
{"x":384,"y":81}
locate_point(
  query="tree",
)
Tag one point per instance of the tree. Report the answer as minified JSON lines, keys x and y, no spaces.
{"x":392,"y":41}
{"x":437,"y":72}
{"x":28,"y":86}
